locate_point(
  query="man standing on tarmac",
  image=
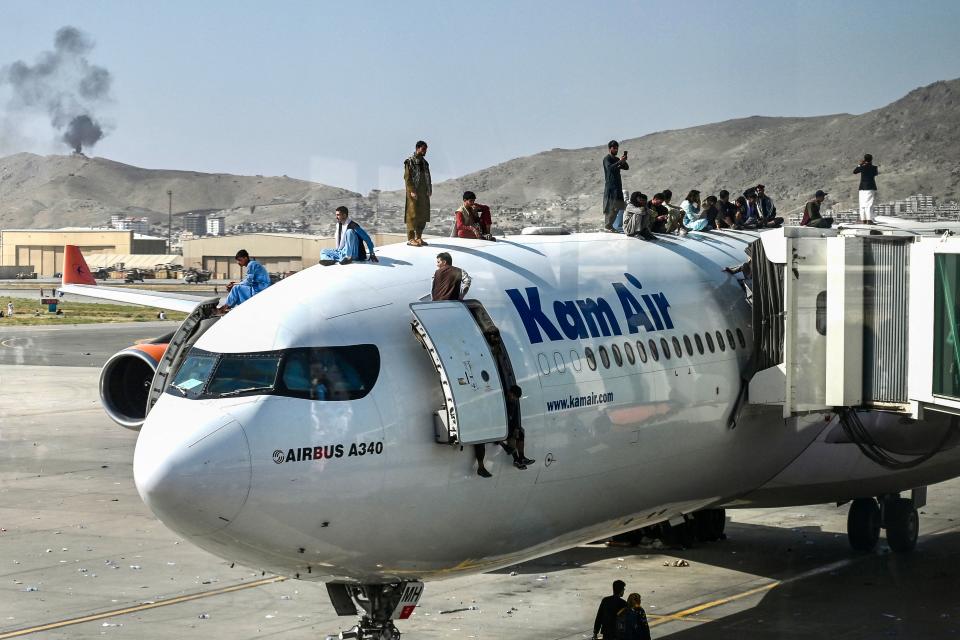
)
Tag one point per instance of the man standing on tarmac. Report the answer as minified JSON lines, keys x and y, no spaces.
{"x":606,"y":620}
{"x":613,"y":204}
{"x":868,"y":187}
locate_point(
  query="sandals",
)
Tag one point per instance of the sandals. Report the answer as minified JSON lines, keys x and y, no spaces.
{"x":417,"y":242}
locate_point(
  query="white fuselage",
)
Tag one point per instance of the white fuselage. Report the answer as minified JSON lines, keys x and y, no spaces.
{"x":639,"y":441}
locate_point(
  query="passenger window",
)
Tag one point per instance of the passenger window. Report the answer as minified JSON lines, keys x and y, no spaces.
{"x":617,"y":356}
{"x":641,"y":351}
{"x":558,"y":360}
{"x":743,"y":342}
{"x":709,"y":341}
{"x":591,"y":359}
{"x":665,"y":346}
{"x":575,"y":360}
{"x":730,"y":340}
{"x":676,"y":347}
{"x":686,"y":343}
{"x":544,"y":364}
{"x":628,"y":349}
{"x":653,"y":350}
{"x":696,"y":338}
{"x":604,"y":357}
{"x":242,"y":373}
{"x":720,"y":344}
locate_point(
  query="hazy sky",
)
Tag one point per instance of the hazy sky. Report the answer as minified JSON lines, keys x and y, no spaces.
{"x":338,"y":92}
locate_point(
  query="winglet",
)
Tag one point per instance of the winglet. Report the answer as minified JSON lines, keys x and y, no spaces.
{"x":75,"y":269}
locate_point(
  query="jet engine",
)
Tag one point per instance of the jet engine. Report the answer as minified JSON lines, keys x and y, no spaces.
{"x":125,"y":383}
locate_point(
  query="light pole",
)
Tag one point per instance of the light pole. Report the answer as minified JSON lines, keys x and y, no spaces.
{"x":169,"y":221}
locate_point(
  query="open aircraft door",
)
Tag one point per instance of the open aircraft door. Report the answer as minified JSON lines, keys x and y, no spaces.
{"x":475,"y":408}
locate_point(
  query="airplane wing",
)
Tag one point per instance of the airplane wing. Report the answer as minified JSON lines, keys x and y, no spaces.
{"x":78,"y":280}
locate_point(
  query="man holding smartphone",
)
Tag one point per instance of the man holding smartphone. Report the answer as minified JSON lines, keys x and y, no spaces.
{"x":868,"y":187}
{"x":613,"y":202}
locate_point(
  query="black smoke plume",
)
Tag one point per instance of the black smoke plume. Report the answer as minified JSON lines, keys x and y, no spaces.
{"x":63,"y":84}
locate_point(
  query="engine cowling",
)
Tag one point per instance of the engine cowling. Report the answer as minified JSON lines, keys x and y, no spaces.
{"x":125,"y":383}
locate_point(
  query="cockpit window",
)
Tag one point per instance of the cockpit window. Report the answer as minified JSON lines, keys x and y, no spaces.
{"x":312,"y":373}
{"x":330,"y":373}
{"x":244,"y":373}
{"x":191,"y":379}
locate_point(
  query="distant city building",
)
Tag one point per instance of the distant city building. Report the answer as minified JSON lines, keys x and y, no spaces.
{"x":216,"y":226}
{"x":125,"y":223}
{"x":195,"y":223}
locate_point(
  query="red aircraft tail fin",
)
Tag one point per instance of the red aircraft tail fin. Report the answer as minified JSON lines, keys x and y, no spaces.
{"x":75,"y":269}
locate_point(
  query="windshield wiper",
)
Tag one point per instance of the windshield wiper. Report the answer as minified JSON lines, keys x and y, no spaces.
{"x":236,"y":392}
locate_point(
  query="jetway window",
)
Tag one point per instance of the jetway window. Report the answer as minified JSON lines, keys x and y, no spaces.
{"x":741,"y":339}
{"x":666,"y":348}
{"x":676,"y":347}
{"x":730,"y":340}
{"x":709,"y":341}
{"x":696,"y":338}
{"x":628,"y":349}
{"x":822,"y":313}
{"x":720,"y":344}
{"x":653,"y":350}
{"x":604,"y":357}
{"x":591,"y":359}
{"x":641,"y":351}
{"x":686,"y":343}
{"x":946,"y":326}
{"x":617,"y":356}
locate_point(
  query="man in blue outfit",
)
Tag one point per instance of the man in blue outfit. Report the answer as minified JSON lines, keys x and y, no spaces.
{"x":256,"y":281}
{"x":350,"y":240}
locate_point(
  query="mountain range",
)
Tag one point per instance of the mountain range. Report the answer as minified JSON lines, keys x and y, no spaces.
{"x":915,"y":140}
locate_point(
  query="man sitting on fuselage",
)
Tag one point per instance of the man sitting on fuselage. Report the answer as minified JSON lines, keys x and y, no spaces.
{"x":350,"y":240}
{"x":256,"y":281}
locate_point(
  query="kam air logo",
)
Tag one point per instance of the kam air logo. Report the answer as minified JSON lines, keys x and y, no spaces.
{"x":591,"y":317}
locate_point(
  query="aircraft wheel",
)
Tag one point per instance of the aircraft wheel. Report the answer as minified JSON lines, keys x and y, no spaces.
{"x":902,"y":524}
{"x":863,"y":524}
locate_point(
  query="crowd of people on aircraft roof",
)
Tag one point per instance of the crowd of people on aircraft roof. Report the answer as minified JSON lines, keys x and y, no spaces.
{"x":753,"y":209}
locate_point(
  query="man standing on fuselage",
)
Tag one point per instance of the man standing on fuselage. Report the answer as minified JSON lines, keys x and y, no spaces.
{"x":613,"y":204}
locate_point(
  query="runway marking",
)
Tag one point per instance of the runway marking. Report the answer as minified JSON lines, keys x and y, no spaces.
{"x":140,"y":607}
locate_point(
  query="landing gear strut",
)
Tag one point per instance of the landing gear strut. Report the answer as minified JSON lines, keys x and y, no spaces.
{"x":895,"y":514}
{"x":378,"y":603}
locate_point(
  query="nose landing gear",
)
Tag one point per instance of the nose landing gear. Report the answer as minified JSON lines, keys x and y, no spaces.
{"x":379,"y":603}
{"x":895,"y":514}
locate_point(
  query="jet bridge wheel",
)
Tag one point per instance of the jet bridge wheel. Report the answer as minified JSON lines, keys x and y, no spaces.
{"x":902,"y":523}
{"x":863,"y":524}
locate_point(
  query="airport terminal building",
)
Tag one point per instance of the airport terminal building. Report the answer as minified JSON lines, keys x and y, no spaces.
{"x":41,"y":250}
{"x":278,"y":252}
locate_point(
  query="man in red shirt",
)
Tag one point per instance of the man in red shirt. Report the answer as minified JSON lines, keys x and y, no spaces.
{"x":473,"y":219}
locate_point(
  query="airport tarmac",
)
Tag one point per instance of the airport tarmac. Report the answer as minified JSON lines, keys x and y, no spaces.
{"x":82,"y":557}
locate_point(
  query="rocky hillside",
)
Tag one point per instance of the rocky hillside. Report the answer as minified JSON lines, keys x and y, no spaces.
{"x":55,"y":191}
{"x":915,"y":140}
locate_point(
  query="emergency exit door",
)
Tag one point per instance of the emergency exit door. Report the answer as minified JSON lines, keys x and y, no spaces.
{"x":472,"y":388}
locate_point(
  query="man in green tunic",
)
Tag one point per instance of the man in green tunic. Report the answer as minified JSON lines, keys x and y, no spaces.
{"x":419,"y":187}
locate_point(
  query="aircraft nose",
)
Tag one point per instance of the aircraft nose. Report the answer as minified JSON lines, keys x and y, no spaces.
{"x":193,"y":470}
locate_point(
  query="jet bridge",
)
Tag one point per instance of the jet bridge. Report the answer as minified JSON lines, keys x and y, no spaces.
{"x":865,"y":317}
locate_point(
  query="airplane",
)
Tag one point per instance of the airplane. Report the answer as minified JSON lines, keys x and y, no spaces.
{"x":322,"y":429}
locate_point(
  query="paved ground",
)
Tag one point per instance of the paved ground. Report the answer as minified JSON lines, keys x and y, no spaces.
{"x":86,"y":345}
{"x":76,"y":542}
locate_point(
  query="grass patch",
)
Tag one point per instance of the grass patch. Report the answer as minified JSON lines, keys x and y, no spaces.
{"x":29,"y":311}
